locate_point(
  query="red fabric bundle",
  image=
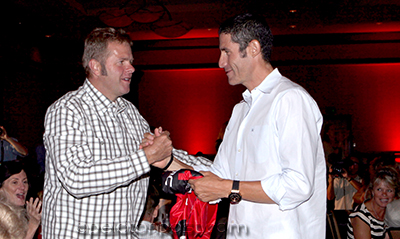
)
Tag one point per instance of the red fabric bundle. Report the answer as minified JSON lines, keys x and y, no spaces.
{"x":190,"y":218}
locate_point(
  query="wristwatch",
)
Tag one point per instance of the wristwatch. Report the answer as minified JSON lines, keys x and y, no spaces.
{"x":235,"y":196}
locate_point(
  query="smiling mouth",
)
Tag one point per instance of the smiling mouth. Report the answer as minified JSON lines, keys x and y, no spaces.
{"x":21,"y":196}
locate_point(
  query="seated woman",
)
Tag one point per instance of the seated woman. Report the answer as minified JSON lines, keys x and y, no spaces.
{"x":367,"y":220}
{"x":13,"y":190}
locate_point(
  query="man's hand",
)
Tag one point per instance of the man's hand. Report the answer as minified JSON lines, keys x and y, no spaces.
{"x":345,"y":174}
{"x":210,"y":187}
{"x":157,"y":147}
{"x":15,"y":144}
{"x":147,"y":140}
{"x":3,"y":134}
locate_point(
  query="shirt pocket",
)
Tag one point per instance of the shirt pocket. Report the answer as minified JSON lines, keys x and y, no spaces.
{"x":256,"y":144}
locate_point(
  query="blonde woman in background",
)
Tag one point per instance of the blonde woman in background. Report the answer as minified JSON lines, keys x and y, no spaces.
{"x":368,"y":219}
{"x":13,"y":224}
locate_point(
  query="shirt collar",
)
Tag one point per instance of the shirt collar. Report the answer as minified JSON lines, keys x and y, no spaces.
{"x":265,"y":87}
{"x":101,"y":102}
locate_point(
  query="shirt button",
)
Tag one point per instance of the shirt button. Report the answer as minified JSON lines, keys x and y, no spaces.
{"x":239,"y":150}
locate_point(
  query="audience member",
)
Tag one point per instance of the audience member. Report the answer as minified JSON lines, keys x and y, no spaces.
{"x":147,"y":228}
{"x":369,"y":173}
{"x":97,"y":166}
{"x":13,"y":224}
{"x":14,"y":188}
{"x":367,"y":220}
{"x":335,"y":142}
{"x":343,"y":183}
{"x":10,"y":148}
{"x":392,"y":215}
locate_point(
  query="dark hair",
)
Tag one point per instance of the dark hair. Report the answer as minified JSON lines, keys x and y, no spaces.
{"x":96,"y":44}
{"x":153,"y":198}
{"x":9,"y":168}
{"x":246,"y":27}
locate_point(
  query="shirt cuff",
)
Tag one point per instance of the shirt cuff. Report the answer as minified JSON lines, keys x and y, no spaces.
{"x":274,"y":189}
{"x":141,"y":163}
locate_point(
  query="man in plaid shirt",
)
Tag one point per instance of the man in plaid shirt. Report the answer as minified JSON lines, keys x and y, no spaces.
{"x":96,"y":164}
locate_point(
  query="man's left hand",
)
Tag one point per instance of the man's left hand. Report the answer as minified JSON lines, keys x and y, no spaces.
{"x":210,"y":187}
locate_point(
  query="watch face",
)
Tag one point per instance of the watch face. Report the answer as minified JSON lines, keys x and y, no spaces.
{"x":235,"y":198}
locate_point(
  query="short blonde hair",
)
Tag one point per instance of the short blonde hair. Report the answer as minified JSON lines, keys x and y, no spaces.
{"x":13,"y":222}
{"x":388,"y":175}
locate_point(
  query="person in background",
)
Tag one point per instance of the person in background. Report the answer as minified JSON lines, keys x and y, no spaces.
{"x":392,"y":215}
{"x":368,"y":219}
{"x":147,"y":227}
{"x":10,"y":148}
{"x":369,"y":173}
{"x":271,"y":162}
{"x":343,"y":183}
{"x":97,"y":165}
{"x":13,"y":190}
{"x":13,"y":225}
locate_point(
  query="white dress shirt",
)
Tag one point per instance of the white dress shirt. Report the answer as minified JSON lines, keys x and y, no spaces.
{"x":273,"y":136}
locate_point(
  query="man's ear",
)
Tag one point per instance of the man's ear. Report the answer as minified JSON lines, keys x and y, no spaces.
{"x":254,"y":48}
{"x":95,"y":67}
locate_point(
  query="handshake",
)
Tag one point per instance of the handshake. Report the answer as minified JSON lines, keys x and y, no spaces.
{"x":158,"y":148}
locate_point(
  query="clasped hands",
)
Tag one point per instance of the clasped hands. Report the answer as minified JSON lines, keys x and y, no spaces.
{"x":158,"y":150}
{"x":157,"y":147}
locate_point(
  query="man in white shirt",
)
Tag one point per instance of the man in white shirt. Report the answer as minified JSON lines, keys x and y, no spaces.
{"x":271,"y":161}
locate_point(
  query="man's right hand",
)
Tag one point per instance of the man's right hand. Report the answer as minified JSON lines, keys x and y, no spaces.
{"x":3,"y":134}
{"x":158,"y":151}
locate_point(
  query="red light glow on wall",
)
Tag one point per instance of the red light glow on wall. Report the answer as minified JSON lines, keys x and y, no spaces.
{"x":191,"y":104}
{"x":367,"y":92}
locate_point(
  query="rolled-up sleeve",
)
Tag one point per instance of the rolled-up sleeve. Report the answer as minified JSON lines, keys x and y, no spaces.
{"x":296,"y":139}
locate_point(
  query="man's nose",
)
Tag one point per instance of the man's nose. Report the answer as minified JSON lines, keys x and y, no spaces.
{"x":222,"y":61}
{"x":130,"y":68}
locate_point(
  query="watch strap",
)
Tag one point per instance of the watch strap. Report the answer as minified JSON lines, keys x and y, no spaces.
{"x":235,"y":185}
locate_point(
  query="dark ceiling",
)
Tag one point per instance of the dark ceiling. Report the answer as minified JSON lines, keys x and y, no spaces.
{"x":73,"y":19}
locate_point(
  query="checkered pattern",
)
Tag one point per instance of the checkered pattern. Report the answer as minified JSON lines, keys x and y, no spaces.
{"x":96,"y":176}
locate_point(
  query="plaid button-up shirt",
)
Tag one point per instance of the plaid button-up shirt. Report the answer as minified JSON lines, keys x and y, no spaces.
{"x":96,"y":176}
